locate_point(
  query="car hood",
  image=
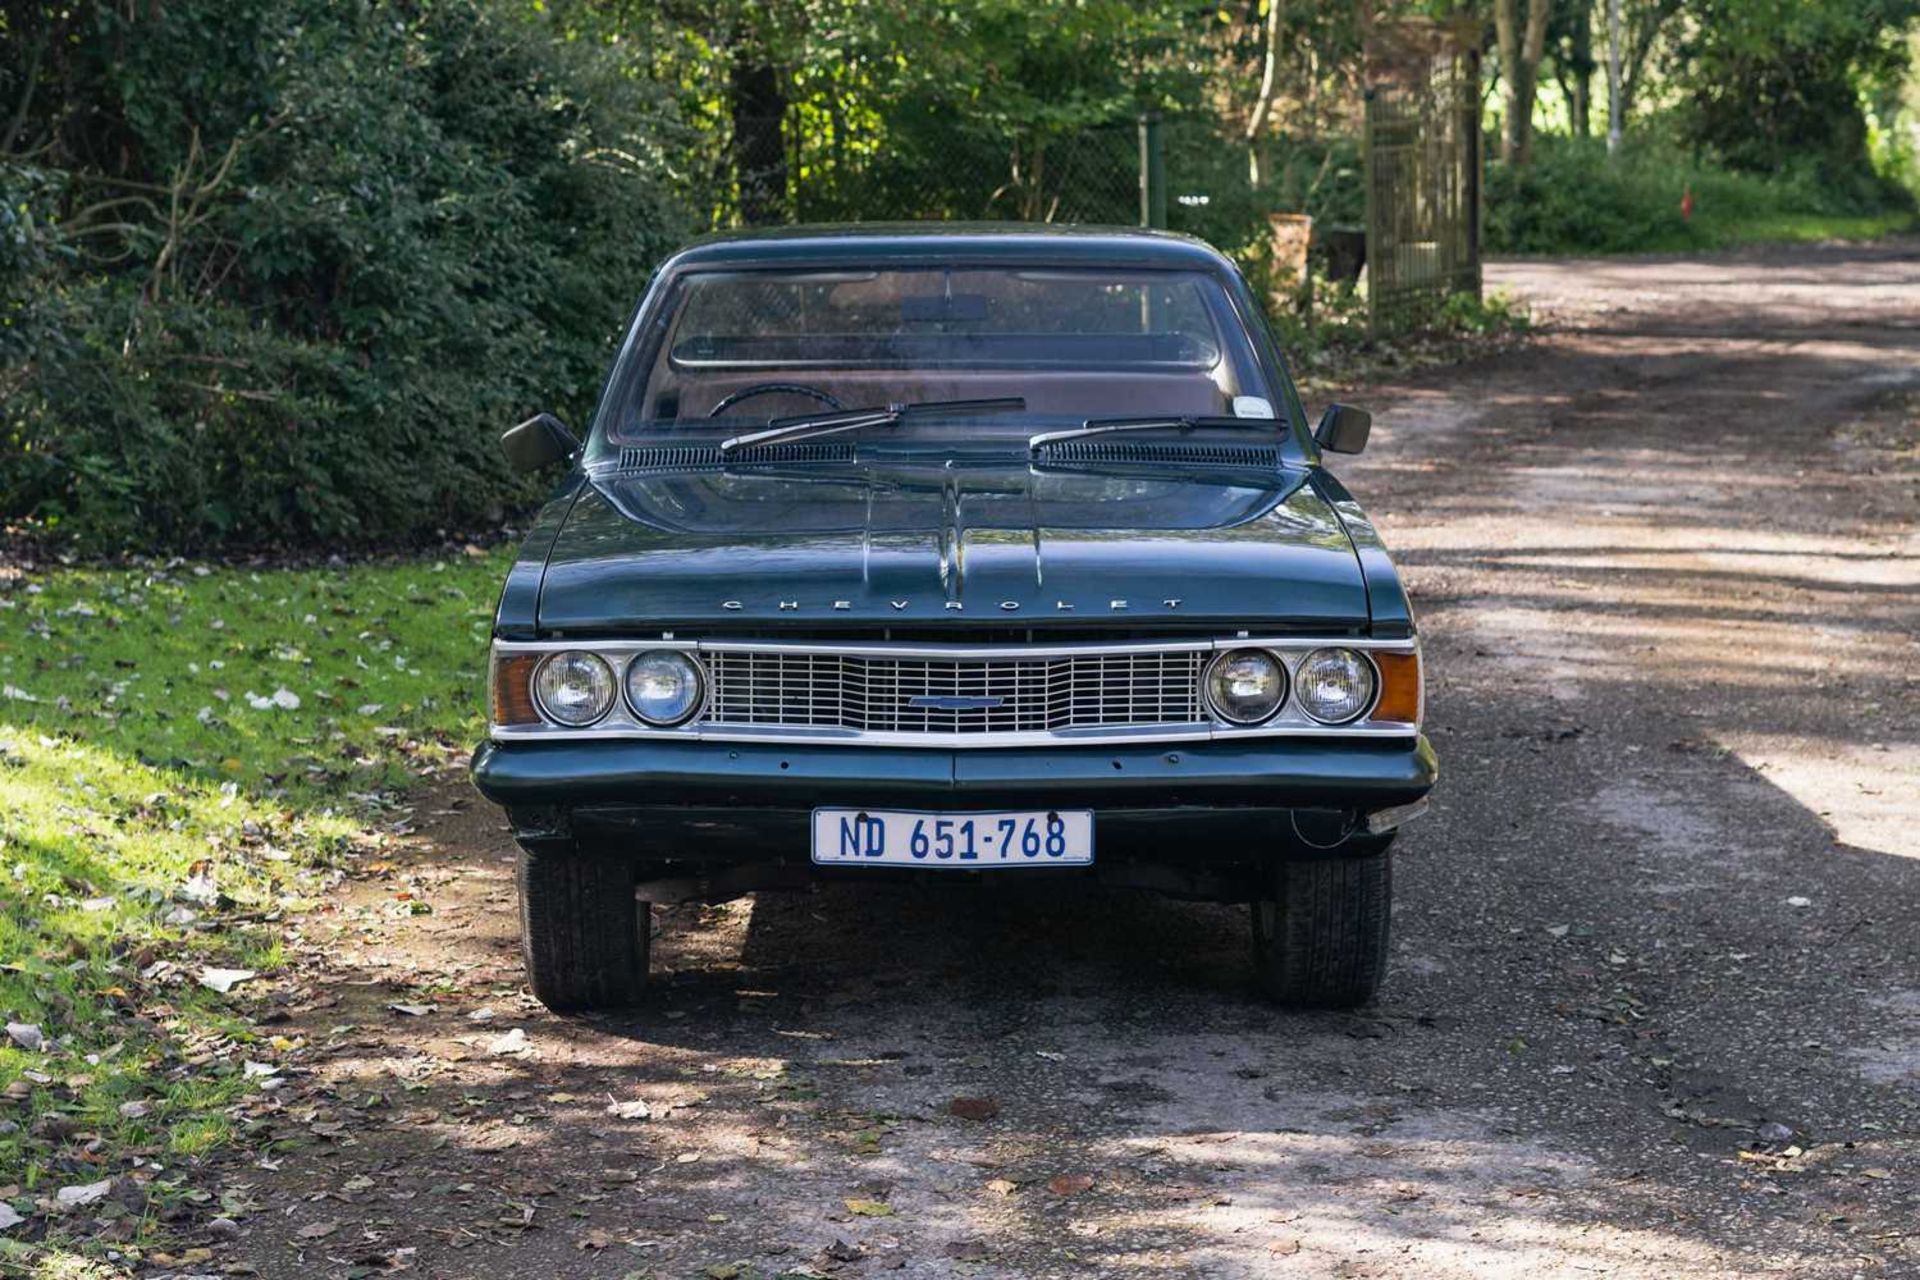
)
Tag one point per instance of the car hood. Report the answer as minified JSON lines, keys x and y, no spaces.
{"x":1002,"y":543}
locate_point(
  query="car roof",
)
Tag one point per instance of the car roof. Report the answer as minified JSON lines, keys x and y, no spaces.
{"x":867,"y":243}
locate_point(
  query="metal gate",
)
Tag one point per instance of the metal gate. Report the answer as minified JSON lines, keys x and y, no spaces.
{"x":1422,"y":172}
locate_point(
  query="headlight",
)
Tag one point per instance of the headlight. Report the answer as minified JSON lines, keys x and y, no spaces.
{"x":664,"y":686}
{"x":1334,"y":685}
{"x":1246,"y":686}
{"x":573,"y":688}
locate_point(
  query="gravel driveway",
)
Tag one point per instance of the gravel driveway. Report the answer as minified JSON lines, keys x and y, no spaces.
{"x":1655,"y":1000}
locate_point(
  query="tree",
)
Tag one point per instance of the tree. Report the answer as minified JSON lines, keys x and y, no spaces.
{"x":1520,"y":54}
{"x":1772,"y":86}
{"x":1645,"y":22}
{"x":1570,"y":36}
{"x":1616,"y":109}
{"x":1263,"y":104}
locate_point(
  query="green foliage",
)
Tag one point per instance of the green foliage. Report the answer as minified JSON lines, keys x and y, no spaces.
{"x":276,"y":272}
{"x":1574,"y":198}
{"x":289,"y":268}
{"x":1773,"y":85}
{"x":1497,"y":313}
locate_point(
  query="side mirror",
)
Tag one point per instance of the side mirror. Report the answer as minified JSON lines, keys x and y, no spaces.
{"x":1343,"y":429}
{"x":540,"y":441}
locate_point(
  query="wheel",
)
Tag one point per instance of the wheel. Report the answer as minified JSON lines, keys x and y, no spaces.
{"x":1321,"y":940}
{"x":584,"y":938}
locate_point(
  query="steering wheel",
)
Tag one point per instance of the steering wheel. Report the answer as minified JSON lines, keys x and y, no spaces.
{"x":772,"y":388}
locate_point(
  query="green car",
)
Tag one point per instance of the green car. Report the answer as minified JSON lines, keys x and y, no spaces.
{"x":948,"y":551}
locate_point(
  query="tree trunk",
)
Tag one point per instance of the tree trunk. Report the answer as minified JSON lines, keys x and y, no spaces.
{"x":1263,"y":105}
{"x":1616,"y":109}
{"x":1520,"y":54}
{"x":757,"y":105}
{"x":1581,"y":100}
{"x":1506,"y":37}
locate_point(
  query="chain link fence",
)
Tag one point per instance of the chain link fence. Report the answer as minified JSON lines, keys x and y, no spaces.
{"x":1409,"y":189}
{"x":1185,"y":173}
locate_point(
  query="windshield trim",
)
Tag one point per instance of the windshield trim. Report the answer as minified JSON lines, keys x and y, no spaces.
{"x":1231,"y":303}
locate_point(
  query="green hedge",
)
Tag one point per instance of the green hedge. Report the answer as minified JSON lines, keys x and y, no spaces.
{"x":1575,"y":198}
{"x":433,"y":222}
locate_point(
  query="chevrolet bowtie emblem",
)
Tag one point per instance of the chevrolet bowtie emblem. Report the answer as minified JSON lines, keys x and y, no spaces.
{"x":949,"y":702}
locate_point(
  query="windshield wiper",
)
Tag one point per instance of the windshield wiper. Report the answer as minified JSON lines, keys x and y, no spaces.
{"x":885,"y":415}
{"x":1164,"y":422}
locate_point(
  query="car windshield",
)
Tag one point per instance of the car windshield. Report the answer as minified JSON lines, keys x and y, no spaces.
{"x":747,"y":346}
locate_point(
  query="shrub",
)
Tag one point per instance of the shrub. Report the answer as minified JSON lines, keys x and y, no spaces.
{"x":1574,"y":197}
{"x":349,"y":244}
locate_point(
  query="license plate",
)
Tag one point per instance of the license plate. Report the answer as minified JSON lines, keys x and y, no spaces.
{"x":960,"y":841}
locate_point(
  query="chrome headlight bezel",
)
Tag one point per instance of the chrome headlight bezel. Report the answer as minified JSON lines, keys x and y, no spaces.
{"x":1357,"y":659}
{"x":695,"y":672}
{"x":1215,"y":703}
{"x":606,"y":697}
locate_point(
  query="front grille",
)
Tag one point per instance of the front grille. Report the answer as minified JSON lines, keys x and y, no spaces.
{"x":954,"y":695}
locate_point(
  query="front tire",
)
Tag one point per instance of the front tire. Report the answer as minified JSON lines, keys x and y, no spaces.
{"x":1320,"y":940}
{"x":582,"y":935}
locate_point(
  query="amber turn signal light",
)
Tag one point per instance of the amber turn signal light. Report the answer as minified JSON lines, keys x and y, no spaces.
{"x":512,"y":693}
{"x":1400,"y":692}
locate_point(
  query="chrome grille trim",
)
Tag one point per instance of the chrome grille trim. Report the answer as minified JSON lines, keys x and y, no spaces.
{"x":894,"y":693}
{"x":856,"y":694}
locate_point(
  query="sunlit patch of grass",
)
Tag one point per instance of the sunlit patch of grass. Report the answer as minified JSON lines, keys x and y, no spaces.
{"x":199,"y":1136}
{"x":1713,"y":230}
{"x":186,"y":756}
{"x":1814,"y":227}
{"x":56,"y":1264}
{"x":296,"y":684}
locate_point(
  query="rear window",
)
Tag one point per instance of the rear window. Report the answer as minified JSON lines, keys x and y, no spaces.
{"x":1074,"y":343}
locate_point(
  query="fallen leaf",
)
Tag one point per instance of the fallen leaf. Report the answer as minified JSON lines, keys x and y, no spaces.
{"x":85,"y":1193}
{"x":225,"y":980}
{"x":841,"y":1251}
{"x":315,"y":1230}
{"x":9,"y":1219}
{"x":1069,"y":1184}
{"x":634,"y":1109}
{"x":413,"y":1010}
{"x":514,"y":1041}
{"x":974,"y":1108}
{"x":869,"y":1208}
{"x":1003,"y":1187}
{"x":27,"y":1035}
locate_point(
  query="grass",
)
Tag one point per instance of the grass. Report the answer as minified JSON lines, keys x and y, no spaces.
{"x":1810,"y":227}
{"x":187,"y":753}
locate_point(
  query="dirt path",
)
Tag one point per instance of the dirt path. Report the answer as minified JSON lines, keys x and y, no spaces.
{"x":1668,"y":899}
